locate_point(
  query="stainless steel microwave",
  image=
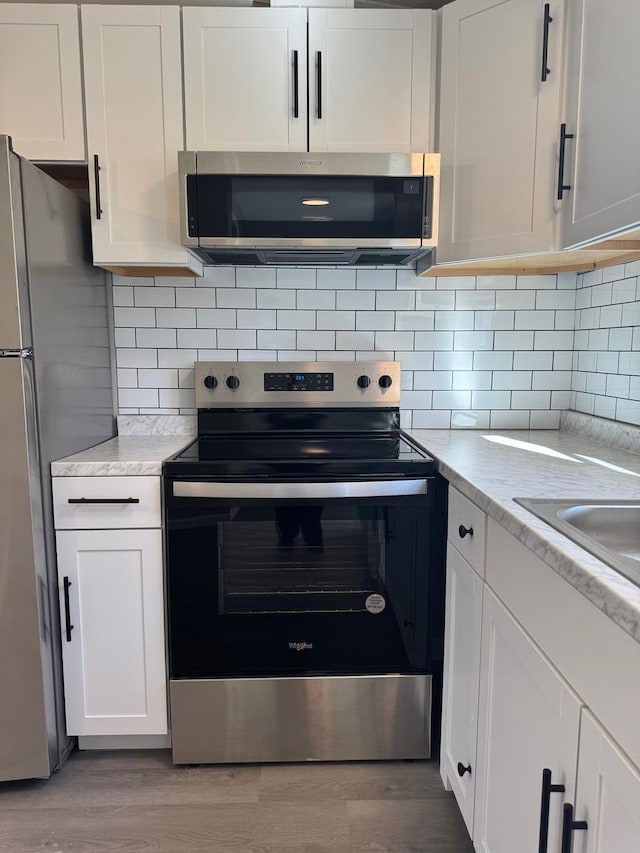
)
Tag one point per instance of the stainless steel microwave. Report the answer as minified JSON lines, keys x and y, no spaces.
{"x":309,"y":209}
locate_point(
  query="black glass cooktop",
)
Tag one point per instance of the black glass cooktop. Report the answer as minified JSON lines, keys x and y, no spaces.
{"x":300,"y":456}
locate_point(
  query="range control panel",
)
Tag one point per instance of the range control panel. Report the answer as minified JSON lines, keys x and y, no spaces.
{"x":307,"y":381}
{"x":333,"y":384}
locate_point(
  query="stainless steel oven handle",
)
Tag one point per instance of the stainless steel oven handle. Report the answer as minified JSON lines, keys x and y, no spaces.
{"x":294,"y":491}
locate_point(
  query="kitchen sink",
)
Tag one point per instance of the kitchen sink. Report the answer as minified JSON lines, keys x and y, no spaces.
{"x":610,"y":530}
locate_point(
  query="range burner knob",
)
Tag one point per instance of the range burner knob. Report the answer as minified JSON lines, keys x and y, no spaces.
{"x":385,"y":381}
{"x":210,"y":382}
{"x":233,"y":383}
{"x":363,"y":381}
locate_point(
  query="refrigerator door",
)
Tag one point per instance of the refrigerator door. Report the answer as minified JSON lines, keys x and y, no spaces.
{"x":14,"y":331}
{"x":25,"y":713}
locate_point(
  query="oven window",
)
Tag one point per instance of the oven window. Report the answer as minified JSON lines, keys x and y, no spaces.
{"x":303,"y":559}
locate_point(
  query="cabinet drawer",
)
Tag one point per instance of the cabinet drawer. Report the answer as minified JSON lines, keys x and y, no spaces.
{"x":466,"y":529}
{"x":94,"y":503}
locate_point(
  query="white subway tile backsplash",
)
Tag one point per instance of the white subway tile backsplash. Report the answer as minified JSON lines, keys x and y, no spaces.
{"x":216,"y":318}
{"x":122,"y":296}
{"x":415,"y":320}
{"x":323,"y":340}
{"x":503,"y":320}
{"x":496,"y":282}
{"x":343,"y":320}
{"x":154,"y":297}
{"x":248,"y":318}
{"x":195,"y":297}
{"x":355,"y":340}
{"x":149,"y":378}
{"x":471,"y":380}
{"x":367,"y":279}
{"x":509,"y":420}
{"x":325,"y":300}
{"x":256,"y":277}
{"x":130,"y":357}
{"x":197,"y":338}
{"x":296,"y":319}
{"x":435,"y":300}
{"x":532,"y":360}
{"x":135,"y":317}
{"x":124,"y":337}
{"x":469,"y":419}
{"x":454,"y":361}
{"x":338,"y":279}
{"x":236,"y":339}
{"x":512,"y":380}
{"x":277,"y":299}
{"x":375,"y":320}
{"x":453,"y":320}
{"x":433,"y":380}
{"x":234,"y":297}
{"x":269,"y":339}
{"x":297,"y":279}
{"x":492,"y":351}
{"x":179,"y":358}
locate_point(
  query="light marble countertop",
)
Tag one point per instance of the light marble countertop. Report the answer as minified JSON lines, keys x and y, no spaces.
{"x":493,"y":468}
{"x":123,"y":456}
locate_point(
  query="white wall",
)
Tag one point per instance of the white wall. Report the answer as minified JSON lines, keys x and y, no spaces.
{"x":476,"y":351}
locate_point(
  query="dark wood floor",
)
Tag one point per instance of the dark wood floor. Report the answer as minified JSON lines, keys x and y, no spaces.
{"x":132,"y":802}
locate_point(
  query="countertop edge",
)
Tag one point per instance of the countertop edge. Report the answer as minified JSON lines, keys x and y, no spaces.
{"x":604,"y":595}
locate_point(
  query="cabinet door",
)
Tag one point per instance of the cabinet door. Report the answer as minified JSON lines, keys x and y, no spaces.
{"x":245,"y":78}
{"x":40,"y":84}
{"x":602,"y":165}
{"x":528,"y":721}
{"x":370,"y":78}
{"x":114,"y":661}
{"x":607,"y":796}
{"x":498,"y":127}
{"x":135,"y":128}
{"x":461,"y":673}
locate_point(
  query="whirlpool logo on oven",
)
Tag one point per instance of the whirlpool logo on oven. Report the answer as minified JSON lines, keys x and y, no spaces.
{"x":298,"y":647}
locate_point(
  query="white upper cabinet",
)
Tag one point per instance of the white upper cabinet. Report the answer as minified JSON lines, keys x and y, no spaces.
{"x":370,"y":75}
{"x":40,"y":80}
{"x":133,"y":88}
{"x":602,"y":163}
{"x":247,"y":73}
{"x":499,"y":127}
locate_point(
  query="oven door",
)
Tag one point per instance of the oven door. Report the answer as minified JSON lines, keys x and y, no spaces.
{"x":298,"y":578}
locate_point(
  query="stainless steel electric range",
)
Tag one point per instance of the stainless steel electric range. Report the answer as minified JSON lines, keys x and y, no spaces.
{"x":305,"y":542}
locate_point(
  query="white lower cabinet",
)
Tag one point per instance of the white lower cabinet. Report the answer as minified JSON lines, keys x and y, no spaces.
{"x":529,"y":721}
{"x":461,"y":677}
{"x":607,"y":796}
{"x":112,"y":615}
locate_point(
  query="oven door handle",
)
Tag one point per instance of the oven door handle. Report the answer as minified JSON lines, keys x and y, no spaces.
{"x":300,"y":491}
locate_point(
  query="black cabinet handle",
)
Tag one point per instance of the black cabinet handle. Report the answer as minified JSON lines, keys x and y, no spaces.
{"x":68,"y":627}
{"x":545,"y":43}
{"x":563,"y":138}
{"x":104,"y":500}
{"x":319,"y":84}
{"x":547,"y":790}
{"x":462,"y":769}
{"x":96,"y":174}
{"x":296,"y":111}
{"x":465,"y":531}
{"x":568,"y":826}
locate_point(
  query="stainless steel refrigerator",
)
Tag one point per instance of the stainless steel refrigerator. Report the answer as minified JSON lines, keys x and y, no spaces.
{"x":55,"y":399}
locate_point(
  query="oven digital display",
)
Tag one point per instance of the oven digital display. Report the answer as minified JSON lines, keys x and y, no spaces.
{"x":298,"y":381}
